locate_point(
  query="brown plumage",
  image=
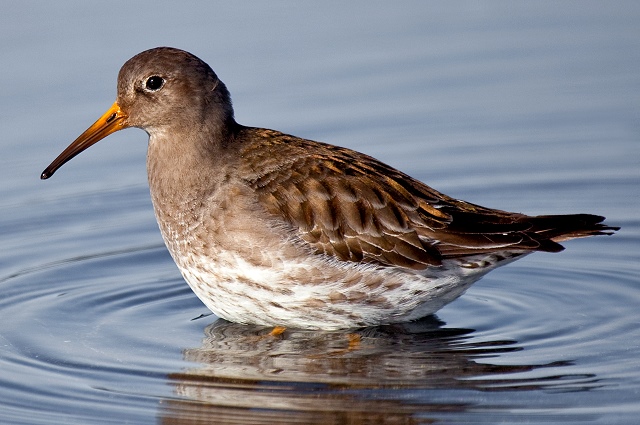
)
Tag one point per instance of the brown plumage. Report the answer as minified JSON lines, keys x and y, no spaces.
{"x":274,"y":229}
{"x":356,"y":208}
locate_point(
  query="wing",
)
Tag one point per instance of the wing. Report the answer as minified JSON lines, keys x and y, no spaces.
{"x":353,"y":207}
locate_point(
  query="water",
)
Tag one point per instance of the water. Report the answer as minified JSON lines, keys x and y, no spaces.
{"x":527,"y":107}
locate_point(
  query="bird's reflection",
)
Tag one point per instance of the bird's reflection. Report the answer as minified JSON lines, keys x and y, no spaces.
{"x":400,"y":374}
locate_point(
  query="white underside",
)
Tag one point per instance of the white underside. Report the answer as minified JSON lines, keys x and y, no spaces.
{"x":325,"y":294}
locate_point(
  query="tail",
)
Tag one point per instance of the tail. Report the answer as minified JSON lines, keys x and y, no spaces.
{"x":559,"y":228}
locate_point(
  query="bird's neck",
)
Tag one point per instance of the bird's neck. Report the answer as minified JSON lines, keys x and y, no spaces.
{"x":183,"y":173}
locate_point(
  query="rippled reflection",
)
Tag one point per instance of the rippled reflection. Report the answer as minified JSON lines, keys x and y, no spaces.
{"x":385,"y":375}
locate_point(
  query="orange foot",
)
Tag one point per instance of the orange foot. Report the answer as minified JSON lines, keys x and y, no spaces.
{"x":354,"y":341}
{"x":277,"y":331}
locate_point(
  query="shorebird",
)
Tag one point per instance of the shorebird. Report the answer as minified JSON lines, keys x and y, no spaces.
{"x":272,"y":229}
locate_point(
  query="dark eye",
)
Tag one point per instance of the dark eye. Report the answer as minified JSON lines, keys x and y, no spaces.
{"x":154,"y":83}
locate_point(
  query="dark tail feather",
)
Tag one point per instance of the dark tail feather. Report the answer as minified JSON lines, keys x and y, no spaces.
{"x":558,"y":228}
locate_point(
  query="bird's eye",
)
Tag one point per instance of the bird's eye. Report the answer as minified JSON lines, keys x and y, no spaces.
{"x":154,"y":83}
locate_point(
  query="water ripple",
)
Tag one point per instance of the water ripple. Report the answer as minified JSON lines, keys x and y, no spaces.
{"x":96,"y":331}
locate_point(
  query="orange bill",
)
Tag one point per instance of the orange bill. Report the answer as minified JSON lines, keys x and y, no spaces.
{"x":110,"y":122}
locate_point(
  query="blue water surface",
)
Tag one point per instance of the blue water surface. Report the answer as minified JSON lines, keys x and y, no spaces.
{"x":531,"y":107}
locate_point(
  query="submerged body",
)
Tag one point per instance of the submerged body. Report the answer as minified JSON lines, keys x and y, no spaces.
{"x":272,"y":229}
{"x":259,"y":268}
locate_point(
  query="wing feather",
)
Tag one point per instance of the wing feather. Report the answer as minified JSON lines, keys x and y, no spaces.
{"x":353,"y":207}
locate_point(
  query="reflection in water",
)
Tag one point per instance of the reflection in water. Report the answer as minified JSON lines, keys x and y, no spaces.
{"x":400,"y":374}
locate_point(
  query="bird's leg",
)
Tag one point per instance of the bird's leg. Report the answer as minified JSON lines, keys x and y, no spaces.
{"x":277,"y":331}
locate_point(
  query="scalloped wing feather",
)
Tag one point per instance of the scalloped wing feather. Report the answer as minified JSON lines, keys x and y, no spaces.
{"x":353,"y":207}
